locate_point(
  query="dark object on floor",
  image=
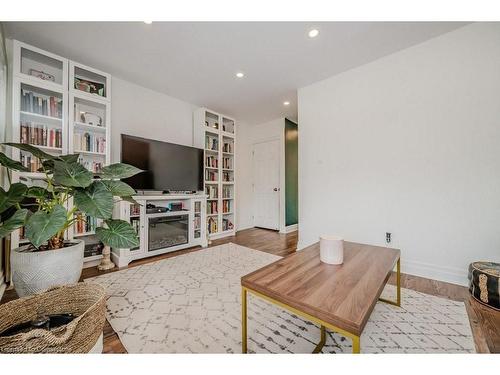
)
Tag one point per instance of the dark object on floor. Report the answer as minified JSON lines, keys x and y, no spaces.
{"x":85,"y":301}
{"x":484,"y":283}
{"x":46,"y":322}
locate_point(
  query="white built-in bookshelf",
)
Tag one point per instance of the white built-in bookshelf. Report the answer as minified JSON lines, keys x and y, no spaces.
{"x":216,"y":135}
{"x":62,"y":107}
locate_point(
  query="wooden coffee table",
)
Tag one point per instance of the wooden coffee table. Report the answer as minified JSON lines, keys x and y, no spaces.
{"x":339,"y":298}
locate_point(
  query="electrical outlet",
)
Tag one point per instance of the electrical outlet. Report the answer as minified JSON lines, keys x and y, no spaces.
{"x":388,"y":237}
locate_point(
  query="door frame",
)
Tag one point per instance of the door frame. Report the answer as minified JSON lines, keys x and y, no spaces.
{"x":281,"y":139}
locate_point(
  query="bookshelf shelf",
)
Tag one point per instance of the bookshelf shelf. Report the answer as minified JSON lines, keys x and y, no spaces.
{"x":91,"y":233}
{"x":30,"y":116}
{"x":90,"y":153}
{"x":82,"y":125}
{"x":216,"y":134}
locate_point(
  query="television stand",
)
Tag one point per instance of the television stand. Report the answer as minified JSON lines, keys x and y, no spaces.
{"x":162,"y":230}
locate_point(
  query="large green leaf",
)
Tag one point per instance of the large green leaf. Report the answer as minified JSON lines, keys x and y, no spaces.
{"x":118,"y":188}
{"x":119,"y":170}
{"x":37,"y":192}
{"x":13,"y":196}
{"x":71,"y":174}
{"x":42,"y":225}
{"x":15,"y":221}
{"x":33,"y":150}
{"x":48,"y":165}
{"x":11,"y":164}
{"x":95,"y":200}
{"x":71,"y":158}
{"x":118,"y":234}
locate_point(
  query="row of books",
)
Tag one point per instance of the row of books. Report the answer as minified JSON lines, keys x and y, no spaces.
{"x":211,"y":175}
{"x":211,"y":143}
{"x":91,"y":165}
{"x":31,"y":162}
{"x":41,"y":104}
{"x":212,"y":225}
{"x":228,"y":147}
{"x":89,"y":142}
{"x":227,"y":176}
{"x":84,"y":224}
{"x":227,"y":224}
{"x":227,"y":162}
{"x":211,"y":161}
{"x":40,"y":135}
{"x":136,"y":224}
{"x":227,"y":192}
{"x":197,"y":222}
{"x":211,"y":191}
{"x":135,"y":209}
{"x":212,"y":207}
{"x":197,"y":207}
{"x":226,"y":206}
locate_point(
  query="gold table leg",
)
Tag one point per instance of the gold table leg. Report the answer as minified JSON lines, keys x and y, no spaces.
{"x":398,"y":287}
{"x":324,"y":325}
{"x":321,"y":343}
{"x":355,"y":345}
{"x":243,"y":320}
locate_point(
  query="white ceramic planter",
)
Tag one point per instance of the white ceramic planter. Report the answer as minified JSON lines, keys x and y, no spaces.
{"x":34,"y":272}
{"x":331,"y":249}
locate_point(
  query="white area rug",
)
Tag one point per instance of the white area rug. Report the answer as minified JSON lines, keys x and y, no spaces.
{"x":191,"y":304}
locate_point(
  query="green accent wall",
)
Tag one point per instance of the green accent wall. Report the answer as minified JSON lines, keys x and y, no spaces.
{"x":291,"y":173}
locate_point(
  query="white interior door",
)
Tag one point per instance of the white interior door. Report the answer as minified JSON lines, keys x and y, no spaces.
{"x":266,"y":184}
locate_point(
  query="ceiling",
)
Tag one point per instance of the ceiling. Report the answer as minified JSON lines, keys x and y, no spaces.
{"x":197,"y":62}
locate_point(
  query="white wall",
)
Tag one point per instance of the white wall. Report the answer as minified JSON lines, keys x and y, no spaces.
{"x":409,"y":144}
{"x":149,"y":114}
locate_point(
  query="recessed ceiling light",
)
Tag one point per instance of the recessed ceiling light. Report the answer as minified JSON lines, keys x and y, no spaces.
{"x":313,"y":33}
{"x":240,"y":75}
{"x":148,"y":22}
{"x":286,"y":103}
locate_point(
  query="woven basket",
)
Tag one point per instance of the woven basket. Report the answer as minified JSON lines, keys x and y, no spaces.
{"x":84,"y":300}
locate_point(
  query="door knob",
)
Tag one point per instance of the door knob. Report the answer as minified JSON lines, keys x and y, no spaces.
{"x":275,"y":189}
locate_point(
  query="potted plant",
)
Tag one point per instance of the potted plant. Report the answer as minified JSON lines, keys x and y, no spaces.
{"x":49,"y":259}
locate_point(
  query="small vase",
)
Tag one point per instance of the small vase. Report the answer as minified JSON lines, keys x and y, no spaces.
{"x":331,"y":249}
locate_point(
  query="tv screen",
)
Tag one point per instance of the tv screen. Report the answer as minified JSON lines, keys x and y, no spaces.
{"x":166,"y":166}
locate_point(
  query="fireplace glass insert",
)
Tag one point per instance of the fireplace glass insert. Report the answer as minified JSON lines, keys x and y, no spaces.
{"x":168,"y":231}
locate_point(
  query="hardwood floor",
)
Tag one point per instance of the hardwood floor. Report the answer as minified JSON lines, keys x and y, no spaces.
{"x":485,"y":322}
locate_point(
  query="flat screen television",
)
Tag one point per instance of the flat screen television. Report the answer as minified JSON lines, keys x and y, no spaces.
{"x":166,"y":166}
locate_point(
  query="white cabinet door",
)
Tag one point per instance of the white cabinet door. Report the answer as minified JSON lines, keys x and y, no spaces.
{"x":266,"y":173}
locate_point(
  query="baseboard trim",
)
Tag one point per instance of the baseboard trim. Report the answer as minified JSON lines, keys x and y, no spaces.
{"x":290,"y":229}
{"x":245,"y":227}
{"x":453,"y":275}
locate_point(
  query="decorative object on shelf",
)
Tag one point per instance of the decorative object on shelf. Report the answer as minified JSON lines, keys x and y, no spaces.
{"x":484,"y":283}
{"x":106,"y":263}
{"x":89,"y":86}
{"x":41,"y":75}
{"x":90,"y":118}
{"x":331,"y":249}
{"x":86,"y":302}
{"x":49,"y":259}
